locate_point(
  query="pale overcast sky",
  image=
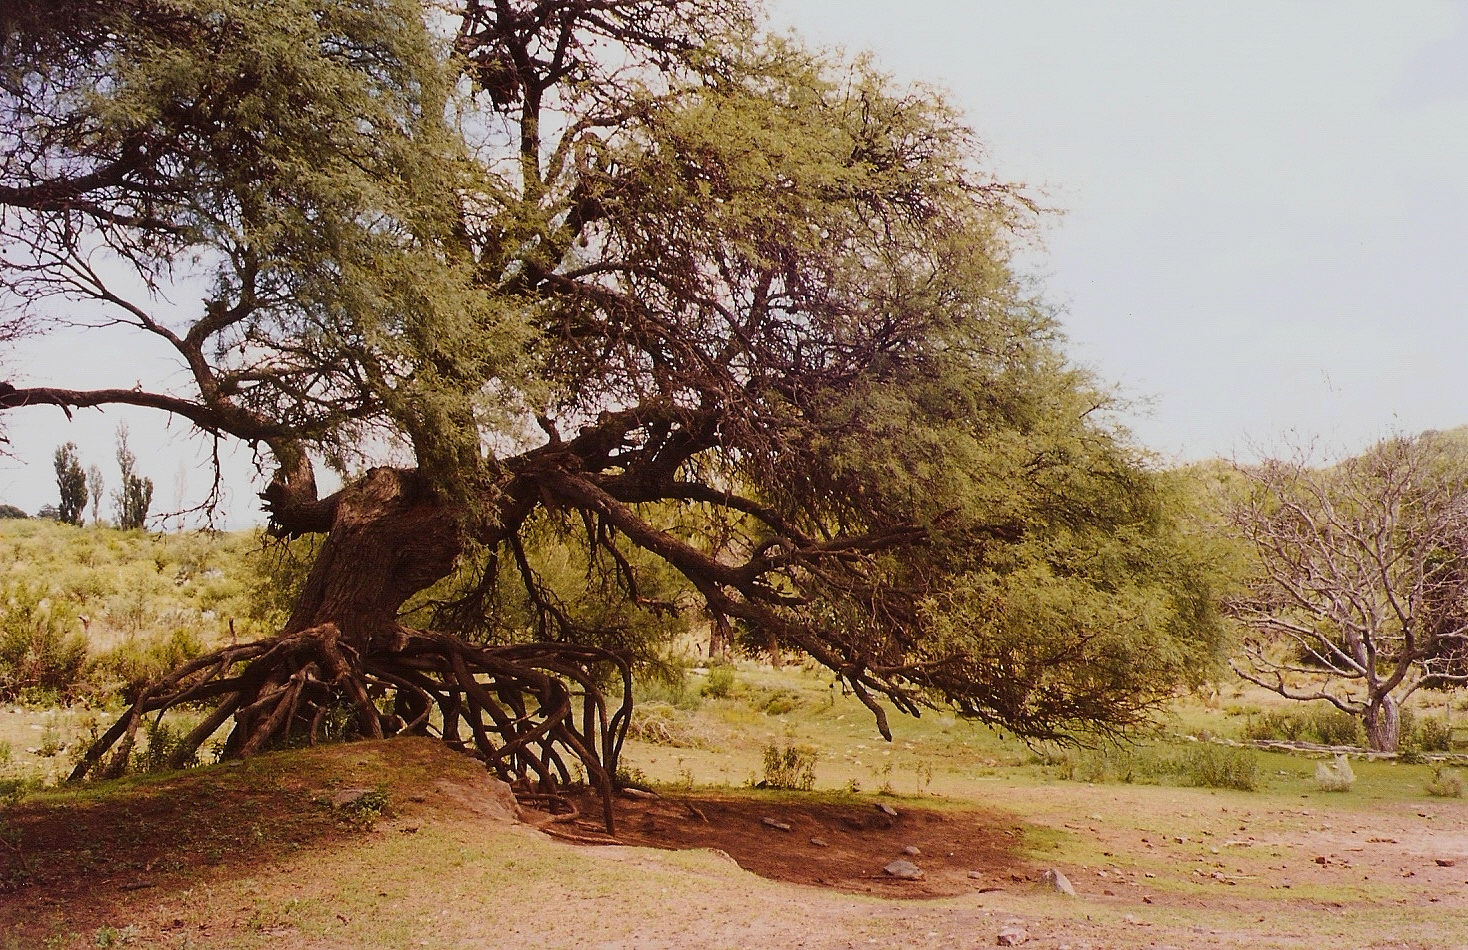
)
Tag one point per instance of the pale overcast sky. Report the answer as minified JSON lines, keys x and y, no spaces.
{"x":1266,"y":214}
{"x":1266,"y":202}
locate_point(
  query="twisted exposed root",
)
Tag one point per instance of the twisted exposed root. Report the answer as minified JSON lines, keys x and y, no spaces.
{"x":526,"y":710}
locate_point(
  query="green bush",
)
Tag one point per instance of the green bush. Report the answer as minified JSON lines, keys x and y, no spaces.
{"x":789,"y":767}
{"x":1432,"y":734}
{"x":781,"y":703}
{"x":1331,"y":726}
{"x":1208,"y":765}
{"x":720,"y":683}
{"x":1281,"y":724}
{"x":1322,"y":724}
{"x":161,"y":741}
{"x":41,"y":654}
{"x":1445,"y":783}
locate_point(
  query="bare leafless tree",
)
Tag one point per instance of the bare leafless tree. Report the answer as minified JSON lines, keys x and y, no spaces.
{"x":1360,"y":589}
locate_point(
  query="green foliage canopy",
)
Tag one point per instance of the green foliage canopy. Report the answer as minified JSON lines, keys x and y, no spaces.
{"x":639,"y":273}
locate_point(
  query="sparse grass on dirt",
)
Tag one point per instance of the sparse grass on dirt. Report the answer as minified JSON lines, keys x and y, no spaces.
{"x":255,"y":855}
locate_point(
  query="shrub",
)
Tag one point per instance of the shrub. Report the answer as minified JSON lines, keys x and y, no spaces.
{"x":1335,"y":776}
{"x":1331,"y":726}
{"x":1218,"y":766}
{"x":1445,"y":783}
{"x":40,"y":655}
{"x":1432,"y":734}
{"x":1323,"y":724}
{"x":789,"y":767}
{"x":1282,"y":724}
{"x":779,"y":702}
{"x":720,"y":683}
{"x":162,"y":740}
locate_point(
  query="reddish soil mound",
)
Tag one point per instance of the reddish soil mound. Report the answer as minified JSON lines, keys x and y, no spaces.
{"x":843,"y":846}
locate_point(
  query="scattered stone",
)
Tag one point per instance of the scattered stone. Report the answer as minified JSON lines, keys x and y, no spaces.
{"x":1180,"y":839}
{"x":1446,"y":862}
{"x":1321,"y":859}
{"x":772,"y":823}
{"x":913,"y":850}
{"x":886,"y":809}
{"x":820,"y":842}
{"x":1059,"y":881}
{"x":904,"y":870}
{"x":975,"y":876}
{"x":347,"y":797}
{"x":1012,"y":937}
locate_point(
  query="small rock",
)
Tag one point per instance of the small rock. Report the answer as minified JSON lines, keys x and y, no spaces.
{"x":1059,"y":881}
{"x":975,"y":876}
{"x":914,"y":851}
{"x":1321,"y":859}
{"x":886,"y":809}
{"x":1446,"y":862}
{"x":631,"y":792}
{"x":904,"y":870}
{"x":350,"y":796}
{"x":1180,"y":839}
{"x":772,"y":823}
{"x":1012,"y":937}
{"x":820,"y":842}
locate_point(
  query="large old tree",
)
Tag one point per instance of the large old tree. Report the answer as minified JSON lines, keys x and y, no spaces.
{"x":631,"y":270}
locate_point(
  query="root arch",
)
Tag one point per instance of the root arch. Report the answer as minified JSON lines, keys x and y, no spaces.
{"x":533,"y":713}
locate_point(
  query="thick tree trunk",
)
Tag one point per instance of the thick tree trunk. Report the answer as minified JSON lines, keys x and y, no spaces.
{"x":1383,"y":724}
{"x":528,"y":711}
{"x":390,"y":539}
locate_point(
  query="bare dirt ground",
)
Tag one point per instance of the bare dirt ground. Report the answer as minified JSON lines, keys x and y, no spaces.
{"x":844,"y":846}
{"x":256,"y":855}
